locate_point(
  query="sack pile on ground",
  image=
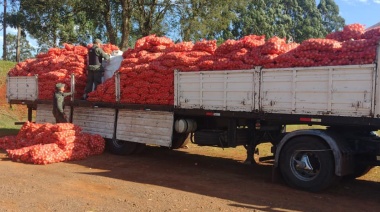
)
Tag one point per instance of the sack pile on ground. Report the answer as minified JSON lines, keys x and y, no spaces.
{"x":146,"y":73}
{"x":51,"y":143}
{"x":57,"y":65}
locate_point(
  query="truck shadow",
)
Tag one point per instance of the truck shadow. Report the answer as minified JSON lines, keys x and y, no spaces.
{"x":7,"y":132}
{"x":247,"y":186}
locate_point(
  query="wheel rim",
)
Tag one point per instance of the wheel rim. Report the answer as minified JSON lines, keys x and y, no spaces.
{"x":305,"y":165}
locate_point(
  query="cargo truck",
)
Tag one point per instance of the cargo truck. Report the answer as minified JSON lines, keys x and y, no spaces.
{"x":246,"y":108}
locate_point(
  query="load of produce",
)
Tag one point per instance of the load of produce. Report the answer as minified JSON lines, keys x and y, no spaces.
{"x":57,"y":65}
{"x":147,"y":70}
{"x":51,"y":143}
{"x":146,"y":73}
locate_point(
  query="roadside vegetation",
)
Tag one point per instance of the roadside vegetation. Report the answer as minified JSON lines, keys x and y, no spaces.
{"x":9,"y":114}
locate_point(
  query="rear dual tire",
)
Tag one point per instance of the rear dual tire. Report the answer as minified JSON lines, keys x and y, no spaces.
{"x":307,"y":163}
{"x":120,"y":147}
{"x":179,"y":140}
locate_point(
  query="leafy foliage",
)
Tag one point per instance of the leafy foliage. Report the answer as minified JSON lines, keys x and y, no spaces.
{"x":121,"y":22}
{"x":331,"y":20}
{"x":27,"y":50}
{"x":297,"y":20}
{"x":207,"y":19}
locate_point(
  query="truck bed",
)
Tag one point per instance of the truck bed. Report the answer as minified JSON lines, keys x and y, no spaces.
{"x":326,"y":95}
{"x":347,"y":91}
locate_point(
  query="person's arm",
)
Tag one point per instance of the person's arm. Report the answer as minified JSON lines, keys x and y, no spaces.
{"x":66,"y":94}
{"x":100,"y":52}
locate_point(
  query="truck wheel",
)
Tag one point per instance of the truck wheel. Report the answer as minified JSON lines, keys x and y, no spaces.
{"x":306,"y":165}
{"x":179,"y":140}
{"x":120,"y":147}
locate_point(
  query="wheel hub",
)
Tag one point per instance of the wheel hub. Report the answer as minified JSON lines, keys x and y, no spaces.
{"x":305,"y":165}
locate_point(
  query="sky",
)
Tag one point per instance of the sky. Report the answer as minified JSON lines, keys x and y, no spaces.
{"x":366,"y":12}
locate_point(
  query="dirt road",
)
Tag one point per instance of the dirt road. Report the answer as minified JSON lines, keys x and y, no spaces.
{"x":193,"y":179}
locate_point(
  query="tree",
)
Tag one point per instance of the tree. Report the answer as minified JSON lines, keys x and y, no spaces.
{"x":150,"y":14}
{"x":96,"y":21}
{"x":256,"y":17}
{"x":126,"y":23}
{"x":12,"y":17}
{"x":296,"y":19}
{"x":304,"y":20}
{"x":5,"y":30}
{"x":43,"y":19}
{"x":120,"y":22}
{"x":26,"y":50}
{"x":309,"y":21}
{"x":52,"y":22}
{"x":331,"y":19}
{"x":204,"y":19}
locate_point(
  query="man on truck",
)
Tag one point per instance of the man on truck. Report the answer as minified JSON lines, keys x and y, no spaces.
{"x":95,"y":69}
{"x":59,"y":103}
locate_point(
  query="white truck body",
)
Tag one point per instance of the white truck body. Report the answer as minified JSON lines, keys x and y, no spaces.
{"x":22,"y":88}
{"x":332,"y":90}
{"x":217,"y":90}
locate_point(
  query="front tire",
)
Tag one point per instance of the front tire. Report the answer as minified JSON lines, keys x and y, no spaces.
{"x":308,"y":164}
{"x":120,"y":147}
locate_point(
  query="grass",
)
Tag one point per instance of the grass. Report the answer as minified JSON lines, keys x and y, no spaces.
{"x":5,"y":66}
{"x":290,"y":128}
{"x":9,"y":115}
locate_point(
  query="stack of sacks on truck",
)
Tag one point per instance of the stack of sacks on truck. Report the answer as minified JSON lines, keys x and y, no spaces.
{"x":51,"y":143}
{"x":147,"y":70}
{"x":57,"y":65}
{"x":351,"y":46}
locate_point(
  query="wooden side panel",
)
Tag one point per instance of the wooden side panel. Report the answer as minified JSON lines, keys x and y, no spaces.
{"x":95,"y":120}
{"x":44,"y":113}
{"x":149,"y":127}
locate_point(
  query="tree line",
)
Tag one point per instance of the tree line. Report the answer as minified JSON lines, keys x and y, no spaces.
{"x":121,"y":22}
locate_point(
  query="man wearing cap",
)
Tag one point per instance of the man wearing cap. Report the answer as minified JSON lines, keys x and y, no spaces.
{"x":59,"y":103}
{"x":95,"y":70}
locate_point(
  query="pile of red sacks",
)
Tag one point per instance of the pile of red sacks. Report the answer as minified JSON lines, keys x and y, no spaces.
{"x":51,"y":143}
{"x":147,"y":70}
{"x":57,"y":65}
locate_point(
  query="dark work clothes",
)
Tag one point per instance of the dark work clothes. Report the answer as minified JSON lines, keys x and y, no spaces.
{"x":59,"y":106}
{"x":95,"y":69}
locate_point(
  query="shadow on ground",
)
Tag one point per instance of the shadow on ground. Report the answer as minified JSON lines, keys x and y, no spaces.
{"x":5,"y":132}
{"x":249,"y":186}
